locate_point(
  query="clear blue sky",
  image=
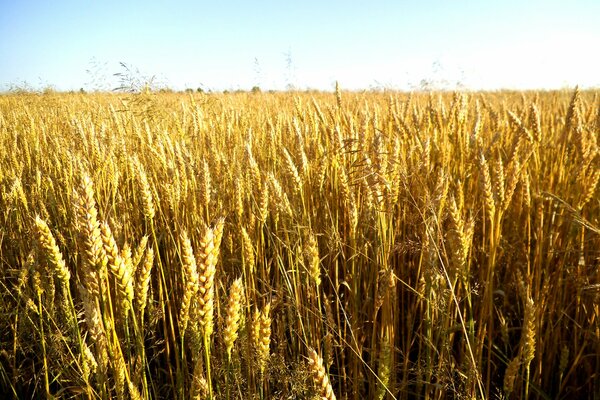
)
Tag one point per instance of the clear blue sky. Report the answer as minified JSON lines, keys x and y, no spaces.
{"x":309,"y":44}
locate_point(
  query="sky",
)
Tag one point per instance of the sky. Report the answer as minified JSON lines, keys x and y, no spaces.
{"x":229,"y":45}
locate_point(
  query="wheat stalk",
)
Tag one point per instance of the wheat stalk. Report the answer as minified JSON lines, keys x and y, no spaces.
{"x":248,"y":252}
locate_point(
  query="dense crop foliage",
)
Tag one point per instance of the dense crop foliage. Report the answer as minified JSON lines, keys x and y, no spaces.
{"x":293,"y":245}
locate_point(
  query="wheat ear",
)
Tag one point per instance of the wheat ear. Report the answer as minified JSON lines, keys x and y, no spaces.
{"x":236,"y":298}
{"x":261,"y":335}
{"x":191,"y":281}
{"x":52,"y":252}
{"x":320,"y":377}
{"x":117,"y":265}
{"x":143,"y":282}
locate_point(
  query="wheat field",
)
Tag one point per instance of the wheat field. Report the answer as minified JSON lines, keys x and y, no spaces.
{"x":300,"y":245}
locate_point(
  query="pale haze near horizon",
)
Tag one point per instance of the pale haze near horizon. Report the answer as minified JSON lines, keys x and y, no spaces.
{"x":306,"y":45}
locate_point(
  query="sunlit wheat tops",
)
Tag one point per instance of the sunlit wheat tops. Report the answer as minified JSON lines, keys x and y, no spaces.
{"x":428,"y":245}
